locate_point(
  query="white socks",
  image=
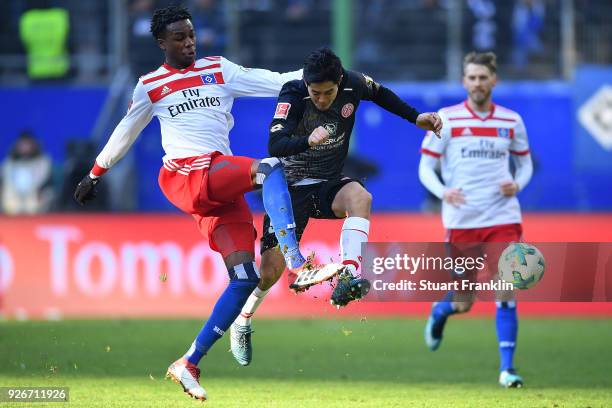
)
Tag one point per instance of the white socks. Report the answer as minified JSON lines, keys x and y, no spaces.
{"x":355,"y":230}
{"x":251,"y":305}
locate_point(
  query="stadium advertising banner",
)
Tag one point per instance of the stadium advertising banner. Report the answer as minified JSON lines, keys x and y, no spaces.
{"x":159,"y":266}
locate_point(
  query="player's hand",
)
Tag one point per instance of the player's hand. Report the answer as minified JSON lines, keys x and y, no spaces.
{"x":86,"y":190}
{"x":318,"y":136}
{"x":454,"y":196}
{"x":509,"y":188}
{"x":430,"y":121}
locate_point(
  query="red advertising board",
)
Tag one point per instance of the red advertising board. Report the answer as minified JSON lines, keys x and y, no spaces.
{"x":159,"y":266}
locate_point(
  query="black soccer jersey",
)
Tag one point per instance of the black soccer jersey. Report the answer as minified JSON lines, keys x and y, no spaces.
{"x":296,"y":117}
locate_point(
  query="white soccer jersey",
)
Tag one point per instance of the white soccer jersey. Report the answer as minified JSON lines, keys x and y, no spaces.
{"x":193,"y":106}
{"x":474,"y":153}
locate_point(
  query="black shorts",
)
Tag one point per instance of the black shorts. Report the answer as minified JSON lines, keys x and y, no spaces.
{"x":309,"y":201}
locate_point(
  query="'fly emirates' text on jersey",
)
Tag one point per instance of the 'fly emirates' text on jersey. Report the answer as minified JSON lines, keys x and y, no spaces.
{"x":193,"y":106}
{"x":474,"y":151}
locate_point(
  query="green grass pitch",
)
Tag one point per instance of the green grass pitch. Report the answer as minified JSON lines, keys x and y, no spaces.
{"x":313,"y":363}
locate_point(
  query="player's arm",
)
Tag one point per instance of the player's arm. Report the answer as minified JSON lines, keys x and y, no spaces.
{"x":432,"y":149}
{"x":289,"y":110}
{"x":519,"y":151}
{"x":257,"y":82}
{"x":428,"y":176}
{"x":389,"y":101}
{"x":138,"y":116}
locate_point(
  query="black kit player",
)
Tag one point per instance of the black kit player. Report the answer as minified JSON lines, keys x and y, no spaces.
{"x":311,"y":132}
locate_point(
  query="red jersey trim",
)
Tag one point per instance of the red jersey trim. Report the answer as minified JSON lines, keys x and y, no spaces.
{"x":520,"y":153}
{"x":160,"y":92}
{"x":97,"y":170}
{"x":174,"y":71}
{"x":431,"y":153}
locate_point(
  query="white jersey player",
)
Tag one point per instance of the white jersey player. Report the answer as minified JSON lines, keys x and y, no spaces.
{"x":479,"y":192}
{"x":193,"y":100}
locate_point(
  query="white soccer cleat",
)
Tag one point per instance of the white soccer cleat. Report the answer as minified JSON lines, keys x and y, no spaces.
{"x":510,"y":379}
{"x":188,"y":376}
{"x":309,"y":275}
{"x":240,"y":341}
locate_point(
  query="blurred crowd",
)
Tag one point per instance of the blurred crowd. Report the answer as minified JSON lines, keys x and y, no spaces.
{"x":31,"y":183}
{"x":398,"y":39}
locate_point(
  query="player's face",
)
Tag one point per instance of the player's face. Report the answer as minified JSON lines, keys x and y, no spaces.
{"x":178,"y":43}
{"x":479,"y":81}
{"x":323,"y":94}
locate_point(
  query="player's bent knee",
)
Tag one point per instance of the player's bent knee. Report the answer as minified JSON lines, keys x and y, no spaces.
{"x":245,"y":274}
{"x":266,"y":167}
{"x":364,"y":199}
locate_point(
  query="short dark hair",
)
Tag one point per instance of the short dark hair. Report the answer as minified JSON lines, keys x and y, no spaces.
{"x":488,"y":59}
{"x":165,"y":16}
{"x":322,"y":65}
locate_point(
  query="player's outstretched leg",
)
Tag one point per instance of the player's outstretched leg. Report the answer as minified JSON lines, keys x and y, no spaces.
{"x":243,"y":280}
{"x":437,"y":319}
{"x":277,"y":202}
{"x":506,"y":323}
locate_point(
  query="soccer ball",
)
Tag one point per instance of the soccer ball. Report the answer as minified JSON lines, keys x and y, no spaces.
{"x":522,"y":265}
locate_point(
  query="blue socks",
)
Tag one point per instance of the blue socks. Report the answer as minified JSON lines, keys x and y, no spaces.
{"x":277,"y":202}
{"x":243,"y":280}
{"x":506,"y":324}
{"x":440,"y":312}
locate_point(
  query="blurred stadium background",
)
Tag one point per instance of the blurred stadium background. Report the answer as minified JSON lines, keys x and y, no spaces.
{"x":67,"y":69}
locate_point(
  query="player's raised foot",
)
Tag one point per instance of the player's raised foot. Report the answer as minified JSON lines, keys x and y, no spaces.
{"x":309,"y":274}
{"x":510,"y":379}
{"x":349,"y":288}
{"x":240,"y":340}
{"x":433,"y":331}
{"x":188,"y":376}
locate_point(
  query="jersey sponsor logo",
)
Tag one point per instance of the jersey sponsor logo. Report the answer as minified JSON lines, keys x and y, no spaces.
{"x":192,"y":100}
{"x":347,"y":110}
{"x":276,"y":128}
{"x":282,"y":110}
{"x":488,"y":154}
{"x":190,"y":104}
{"x":330,"y":143}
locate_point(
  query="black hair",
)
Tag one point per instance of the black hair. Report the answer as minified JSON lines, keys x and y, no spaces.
{"x":168,"y":15}
{"x":322,"y":65}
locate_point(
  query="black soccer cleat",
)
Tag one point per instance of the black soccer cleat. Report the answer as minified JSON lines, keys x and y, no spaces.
{"x":348,"y":289}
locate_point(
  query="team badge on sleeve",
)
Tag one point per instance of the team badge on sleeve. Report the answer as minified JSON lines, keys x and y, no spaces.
{"x":347,"y":110}
{"x":282,"y":110}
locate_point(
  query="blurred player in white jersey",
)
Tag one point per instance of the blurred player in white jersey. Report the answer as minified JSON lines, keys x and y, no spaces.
{"x":192,"y":98}
{"x":478,"y":192}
